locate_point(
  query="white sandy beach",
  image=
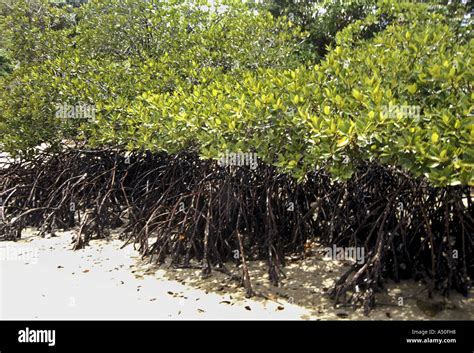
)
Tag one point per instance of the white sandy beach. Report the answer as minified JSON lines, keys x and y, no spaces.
{"x":41,"y":278}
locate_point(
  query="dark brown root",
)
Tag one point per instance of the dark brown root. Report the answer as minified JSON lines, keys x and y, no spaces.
{"x":192,"y":211}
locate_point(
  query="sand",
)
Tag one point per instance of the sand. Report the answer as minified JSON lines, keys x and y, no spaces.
{"x":43,"y":279}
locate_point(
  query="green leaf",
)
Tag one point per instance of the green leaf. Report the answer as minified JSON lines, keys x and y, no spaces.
{"x":343,"y":142}
{"x":356,"y":94}
{"x":412,"y":88}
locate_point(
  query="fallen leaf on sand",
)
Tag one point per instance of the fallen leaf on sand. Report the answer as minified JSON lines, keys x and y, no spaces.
{"x":85,"y":271}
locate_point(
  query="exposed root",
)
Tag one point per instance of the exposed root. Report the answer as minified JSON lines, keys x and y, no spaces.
{"x":190,"y":211}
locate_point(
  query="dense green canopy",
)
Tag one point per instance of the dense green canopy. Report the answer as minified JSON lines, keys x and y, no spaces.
{"x":395,"y":84}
